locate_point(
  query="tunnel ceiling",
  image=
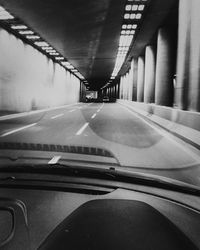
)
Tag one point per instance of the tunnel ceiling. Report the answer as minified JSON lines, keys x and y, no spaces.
{"x":86,"y":32}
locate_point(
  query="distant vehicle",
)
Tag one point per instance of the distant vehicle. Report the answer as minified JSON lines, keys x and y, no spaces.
{"x":106,"y":99}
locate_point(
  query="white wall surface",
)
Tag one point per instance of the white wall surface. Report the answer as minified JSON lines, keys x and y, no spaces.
{"x":29,"y":80}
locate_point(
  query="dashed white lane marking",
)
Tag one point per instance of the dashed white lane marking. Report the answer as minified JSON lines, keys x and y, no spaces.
{"x":54,"y":160}
{"x":80,"y":131}
{"x":93,"y":116}
{"x":72,"y":110}
{"x":56,"y":116}
{"x":100,"y":108}
{"x":18,"y":129}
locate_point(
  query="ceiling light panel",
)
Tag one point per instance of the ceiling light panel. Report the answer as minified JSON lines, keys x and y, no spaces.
{"x":26,"y":32}
{"x":132,"y":16}
{"x":32,"y":37}
{"x":19,"y":27}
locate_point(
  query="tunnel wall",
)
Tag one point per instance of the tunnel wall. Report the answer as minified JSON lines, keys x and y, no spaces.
{"x":29,"y":80}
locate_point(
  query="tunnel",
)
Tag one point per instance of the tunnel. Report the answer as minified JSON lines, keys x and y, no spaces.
{"x":63,"y":64}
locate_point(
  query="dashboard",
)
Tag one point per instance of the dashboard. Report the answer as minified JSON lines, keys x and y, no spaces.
{"x":57,"y":212}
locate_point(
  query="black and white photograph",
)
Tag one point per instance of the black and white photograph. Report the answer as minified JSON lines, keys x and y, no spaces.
{"x":99,"y":124}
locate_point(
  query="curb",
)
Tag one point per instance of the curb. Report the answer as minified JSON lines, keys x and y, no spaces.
{"x":170,"y":126}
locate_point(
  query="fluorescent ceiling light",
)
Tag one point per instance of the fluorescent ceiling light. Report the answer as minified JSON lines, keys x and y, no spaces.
{"x":128,"y":7}
{"x":138,"y":16}
{"x":54,"y":53}
{"x":41,"y":44}
{"x":79,"y":75}
{"x":50,"y":50}
{"x":26,"y":32}
{"x":66,"y":63}
{"x":134,"y":7}
{"x":47,"y":48}
{"x":132,"y":16}
{"x":141,"y":7}
{"x":32,"y":37}
{"x":59,"y":58}
{"x":70,"y":67}
{"x":19,"y":27}
{"x":126,"y":16}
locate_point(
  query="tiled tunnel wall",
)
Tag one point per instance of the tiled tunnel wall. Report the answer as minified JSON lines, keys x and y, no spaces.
{"x":29,"y":80}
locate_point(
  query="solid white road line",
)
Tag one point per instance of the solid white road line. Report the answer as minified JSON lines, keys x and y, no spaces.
{"x":56,"y":116}
{"x":93,"y":116}
{"x":98,"y":110}
{"x":6,"y":117}
{"x":18,"y":129}
{"x":54,"y":160}
{"x":80,"y":131}
{"x":72,"y":110}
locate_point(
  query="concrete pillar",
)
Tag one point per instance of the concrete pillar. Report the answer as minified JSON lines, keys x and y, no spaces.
{"x":182,"y":80}
{"x":131,"y":71}
{"x":125,"y":87}
{"x":122,"y":87}
{"x":164,"y":68}
{"x":140,"y":80}
{"x":194,"y":74}
{"x":135,"y":69}
{"x":187,"y":89}
{"x":149,"y":80}
{"x":117,"y":90}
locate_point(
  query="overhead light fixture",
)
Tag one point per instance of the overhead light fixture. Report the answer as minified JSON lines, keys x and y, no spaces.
{"x":138,"y":16}
{"x":32,"y":37}
{"x":79,"y":75}
{"x":54,"y":53}
{"x":59,"y":58}
{"x":5,"y":15}
{"x":50,"y":50}
{"x":141,"y":7}
{"x":19,"y":27}
{"x":65,"y":64}
{"x":26,"y":32}
{"x":134,"y":7}
{"x":128,"y":7}
{"x":41,"y":44}
{"x":47,"y":48}
{"x":126,"y":16}
{"x":132,"y":16}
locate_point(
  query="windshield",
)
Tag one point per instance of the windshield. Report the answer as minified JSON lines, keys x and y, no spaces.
{"x":121,"y":76}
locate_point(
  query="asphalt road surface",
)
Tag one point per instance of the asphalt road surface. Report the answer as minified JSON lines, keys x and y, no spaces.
{"x":136,"y":143}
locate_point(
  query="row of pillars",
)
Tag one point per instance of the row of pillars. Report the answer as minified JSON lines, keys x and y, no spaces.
{"x":151,"y":77}
{"x":168,"y":71}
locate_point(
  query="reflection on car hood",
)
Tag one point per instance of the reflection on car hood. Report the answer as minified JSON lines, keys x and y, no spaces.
{"x":57,"y":148}
{"x":68,"y":153}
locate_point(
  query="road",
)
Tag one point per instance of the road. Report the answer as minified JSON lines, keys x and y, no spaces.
{"x":136,"y":143}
